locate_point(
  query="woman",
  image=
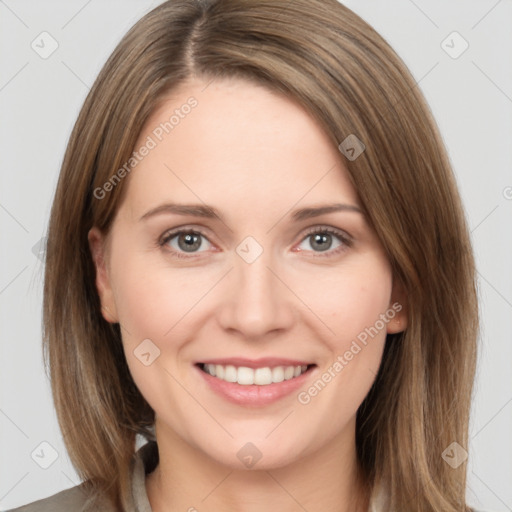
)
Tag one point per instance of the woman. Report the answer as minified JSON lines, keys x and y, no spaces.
{"x":258,"y":261}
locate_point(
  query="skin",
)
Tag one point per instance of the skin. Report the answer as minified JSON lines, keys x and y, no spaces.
{"x":255,"y":156}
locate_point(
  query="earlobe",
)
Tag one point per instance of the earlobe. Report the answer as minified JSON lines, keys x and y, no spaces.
{"x":398,"y":304}
{"x":97,"y":247}
{"x":396,"y":325}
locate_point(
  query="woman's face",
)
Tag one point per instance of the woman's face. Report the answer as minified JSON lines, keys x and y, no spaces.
{"x":266,"y":284}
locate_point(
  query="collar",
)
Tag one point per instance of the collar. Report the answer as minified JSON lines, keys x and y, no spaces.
{"x":146,"y":460}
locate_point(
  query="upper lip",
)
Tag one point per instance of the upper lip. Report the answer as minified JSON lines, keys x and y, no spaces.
{"x":256,"y":363}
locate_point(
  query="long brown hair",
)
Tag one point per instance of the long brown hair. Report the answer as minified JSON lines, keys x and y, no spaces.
{"x":334,"y":64}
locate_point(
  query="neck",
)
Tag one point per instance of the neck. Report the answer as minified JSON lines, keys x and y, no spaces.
{"x":326,"y":480}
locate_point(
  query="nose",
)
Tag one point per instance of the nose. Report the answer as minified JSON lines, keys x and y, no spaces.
{"x":257,"y":301}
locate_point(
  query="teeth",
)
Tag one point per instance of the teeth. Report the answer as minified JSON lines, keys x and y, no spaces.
{"x":245,"y":376}
{"x":277,"y":374}
{"x":260,"y":376}
{"x":230,"y":374}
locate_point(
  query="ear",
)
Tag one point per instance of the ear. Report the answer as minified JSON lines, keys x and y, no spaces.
{"x":398,"y":304}
{"x":98,"y":248}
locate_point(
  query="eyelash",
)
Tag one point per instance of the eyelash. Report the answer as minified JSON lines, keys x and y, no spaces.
{"x":342,"y":237}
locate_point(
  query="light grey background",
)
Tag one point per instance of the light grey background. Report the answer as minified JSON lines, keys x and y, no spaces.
{"x":470,"y":96}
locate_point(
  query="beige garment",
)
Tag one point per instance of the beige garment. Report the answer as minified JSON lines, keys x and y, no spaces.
{"x":145,"y":460}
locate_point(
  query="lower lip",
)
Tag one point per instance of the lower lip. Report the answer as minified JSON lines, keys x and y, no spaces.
{"x":254,"y":395}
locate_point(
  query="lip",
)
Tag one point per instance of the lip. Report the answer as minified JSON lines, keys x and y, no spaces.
{"x":263,"y":362}
{"x":254,"y":395}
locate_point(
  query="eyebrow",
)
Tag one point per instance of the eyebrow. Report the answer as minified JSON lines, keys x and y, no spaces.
{"x":200,"y":210}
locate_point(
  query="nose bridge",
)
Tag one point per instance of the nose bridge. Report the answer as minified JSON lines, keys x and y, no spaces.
{"x":258,"y":302}
{"x":255,"y":279}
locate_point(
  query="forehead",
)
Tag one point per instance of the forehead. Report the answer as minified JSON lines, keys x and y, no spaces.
{"x":239,"y":143}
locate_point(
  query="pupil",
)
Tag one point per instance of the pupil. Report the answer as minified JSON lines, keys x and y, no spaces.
{"x":319,"y":238}
{"x":190,"y":241}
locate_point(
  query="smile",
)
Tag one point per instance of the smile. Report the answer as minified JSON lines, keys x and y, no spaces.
{"x":255,"y":382}
{"x":246,"y":376}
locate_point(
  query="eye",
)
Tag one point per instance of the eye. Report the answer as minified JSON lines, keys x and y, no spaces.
{"x":187,"y":241}
{"x":321,"y":240}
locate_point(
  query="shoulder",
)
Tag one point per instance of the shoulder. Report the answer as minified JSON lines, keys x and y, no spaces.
{"x":73,"y":499}
{"x":84,"y":498}
{"x":379,"y":500}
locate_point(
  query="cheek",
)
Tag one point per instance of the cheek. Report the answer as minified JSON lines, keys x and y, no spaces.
{"x":353,"y":307}
{"x":151,"y":309}
{"x":351,"y":298}
{"x":151,"y":299}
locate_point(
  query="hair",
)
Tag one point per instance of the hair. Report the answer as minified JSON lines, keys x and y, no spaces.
{"x":347,"y":77}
